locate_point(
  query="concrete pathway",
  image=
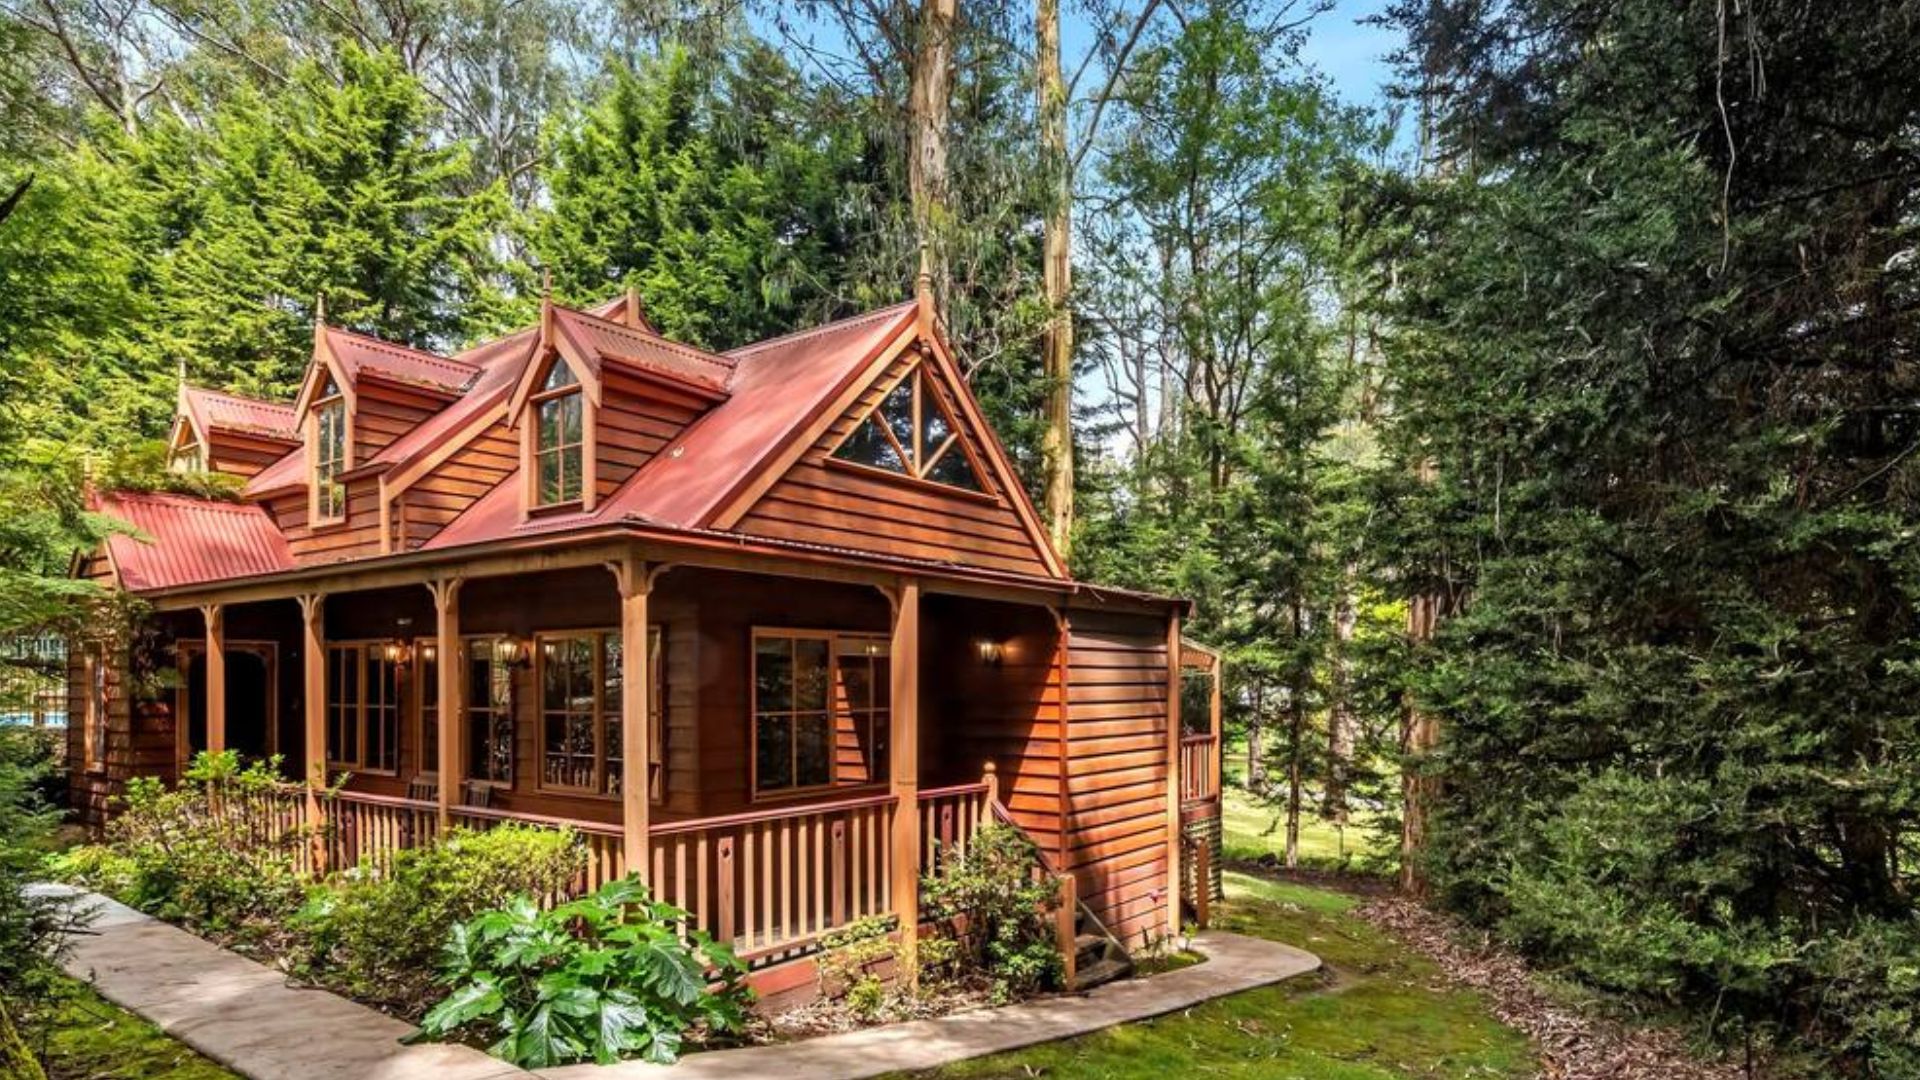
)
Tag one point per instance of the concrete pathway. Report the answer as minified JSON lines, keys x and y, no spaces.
{"x":1234,"y":963}
{"x":243,"y":1014}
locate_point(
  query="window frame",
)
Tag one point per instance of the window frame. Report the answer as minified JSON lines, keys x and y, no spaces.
{"x":602,"y":716}
{"x":425,"y":766}
{"x":587,"y":447}
{"x":316,"y":464}
{"x":188,"y":458}
{"x":918,"y":459}
{"x":835,"y":711}
{"x":469,"y":713}
{"x":96,"y":708}
{"x":362,"y":649}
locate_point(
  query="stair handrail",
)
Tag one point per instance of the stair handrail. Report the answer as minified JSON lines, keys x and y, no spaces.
{"x":1004,"y":816}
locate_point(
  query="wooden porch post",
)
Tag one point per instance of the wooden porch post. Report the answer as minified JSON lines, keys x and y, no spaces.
{"x":216,"y":621}
{"x":1174,"y":880}
{"x":635,"y":800}
{"x":904,"y":769}
{"x":313,"y":657}
{"x":451,"y":709}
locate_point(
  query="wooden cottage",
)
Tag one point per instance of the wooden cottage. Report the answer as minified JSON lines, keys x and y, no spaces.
{"x":768,"y":626}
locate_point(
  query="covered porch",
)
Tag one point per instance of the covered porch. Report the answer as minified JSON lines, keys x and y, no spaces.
{"x":787,"y":755}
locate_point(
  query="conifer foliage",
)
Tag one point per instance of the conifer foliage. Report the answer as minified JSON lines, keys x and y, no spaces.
{"x":1651,"y":329}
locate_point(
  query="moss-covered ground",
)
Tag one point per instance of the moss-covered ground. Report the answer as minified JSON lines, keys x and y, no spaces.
{"x":83,"y":1036}
{"x":1378,"y":1012}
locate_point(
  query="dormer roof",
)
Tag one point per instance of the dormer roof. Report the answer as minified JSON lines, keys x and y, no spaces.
{"x":207,"y":411}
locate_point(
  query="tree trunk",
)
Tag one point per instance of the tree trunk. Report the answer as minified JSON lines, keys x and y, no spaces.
{"x":1419,"y":734}
{"x":1340,"y":722}
{"x":1256,"y":743}
{"x":1056,"y":346}
{"x":929,"y":104}
{"x":1296,"y":743}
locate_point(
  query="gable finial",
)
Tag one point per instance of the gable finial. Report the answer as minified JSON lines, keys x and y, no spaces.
{"x":923,"y":303}
{"x":633,"y":308}
{"x":546,"y":308}
{"x":180,"y":369}
{"x":320,"y":309}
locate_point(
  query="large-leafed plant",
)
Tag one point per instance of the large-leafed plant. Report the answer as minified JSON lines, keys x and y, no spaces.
{"x":609,"y":976}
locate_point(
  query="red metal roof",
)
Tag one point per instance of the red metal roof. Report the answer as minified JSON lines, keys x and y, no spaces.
{"x":357,"y":353}
{"x":186,"y":540}
{"x":777,"y":387}
{"x":603,"y":339}
{"x":214,"y":409}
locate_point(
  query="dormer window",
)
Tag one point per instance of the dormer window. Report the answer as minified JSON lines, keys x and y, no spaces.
{"x":559,"y":438}
{"x":329,"y":496}
{"x":911,"y":432}
{"x":187,"y":458}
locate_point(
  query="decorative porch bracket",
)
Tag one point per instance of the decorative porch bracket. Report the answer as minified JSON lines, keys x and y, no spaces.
{"x":216,"y":692}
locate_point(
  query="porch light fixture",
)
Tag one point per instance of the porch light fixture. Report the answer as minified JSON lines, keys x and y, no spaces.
{"x":395,"y":652}
{"x":513,"y":652}
{"x":991,"y":652}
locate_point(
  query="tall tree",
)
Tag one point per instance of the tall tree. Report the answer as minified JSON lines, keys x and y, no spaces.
{"x":1656,"y":337}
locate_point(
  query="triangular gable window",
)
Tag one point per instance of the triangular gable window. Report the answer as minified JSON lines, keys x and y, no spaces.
{"x":329,"y":389}
{"x":913,"y":433}
{"x":559,"y":377}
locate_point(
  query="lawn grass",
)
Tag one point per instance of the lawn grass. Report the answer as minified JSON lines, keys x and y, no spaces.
{"x":1379,"y":1013}
{"x":83,"y":1036}
{"x":1254,"y":830}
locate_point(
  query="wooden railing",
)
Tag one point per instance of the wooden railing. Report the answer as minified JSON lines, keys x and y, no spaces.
{"x":773,"y":881}
{"x":365,"y":830}
{"x":949,"y":818}
{"x":1199,"y":768}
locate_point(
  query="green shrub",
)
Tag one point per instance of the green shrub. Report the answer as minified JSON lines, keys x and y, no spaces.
{"x":993,"y":904}
{"x":195,"y":864}
{"x":379,"y":937}
{"x":604,"y":977}
{"x":98,"y":867}
{"x":31,"y":928}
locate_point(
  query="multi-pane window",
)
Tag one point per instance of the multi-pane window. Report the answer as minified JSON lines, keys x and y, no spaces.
{"x":656,"y":717}
{"x":426,"y":688}
{"x":572,"y":681}
{"x":187,"y":458}
{"x":93,"y":732}
{"x":863,"y":696}
{"x":363,"y":708}
{"x":329,"y":456}
{"x":792,"y":718}
{"x":559,"y":438}
{"x":912,"y":432}
{"x":489,"y":712}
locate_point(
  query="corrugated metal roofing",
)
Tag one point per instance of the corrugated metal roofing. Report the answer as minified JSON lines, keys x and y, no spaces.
{"x":603,"y":339}
{"x":185,"y":540}
{"x":357,"y":353}
{"x":230,"y":412}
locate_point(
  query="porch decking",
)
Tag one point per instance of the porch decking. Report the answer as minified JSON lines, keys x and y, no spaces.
{"x":770,"y":883}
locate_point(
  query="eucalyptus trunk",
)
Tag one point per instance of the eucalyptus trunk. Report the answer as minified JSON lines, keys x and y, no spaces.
{"x":929,"y":107}
{"x":1056,"y":345}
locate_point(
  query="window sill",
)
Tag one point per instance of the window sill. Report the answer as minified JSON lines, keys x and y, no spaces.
{"x":571,"y":506}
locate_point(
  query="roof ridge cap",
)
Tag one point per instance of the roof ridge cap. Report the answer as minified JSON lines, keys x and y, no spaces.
{"x":383,"y":343}
{"x":836,"y":324}
{"x":692,"y":352}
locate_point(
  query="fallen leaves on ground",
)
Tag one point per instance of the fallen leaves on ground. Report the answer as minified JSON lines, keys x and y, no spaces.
{"x":1574,"y":1043}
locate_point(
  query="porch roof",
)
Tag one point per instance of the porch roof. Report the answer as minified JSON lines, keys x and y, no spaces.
{"x":186,"y":540}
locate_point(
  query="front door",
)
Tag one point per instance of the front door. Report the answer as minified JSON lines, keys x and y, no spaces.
{"x":251,"y":700}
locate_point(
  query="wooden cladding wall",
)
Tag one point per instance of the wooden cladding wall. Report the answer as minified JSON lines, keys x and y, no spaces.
{"x":1004,"y":710}
{"x":632,"y":425}
{"x":381,"y":415}
{"x":457,"y":483}
{"x":1117,"y":769}
{"x":241,"y":455}
{"x":826,"y":503}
